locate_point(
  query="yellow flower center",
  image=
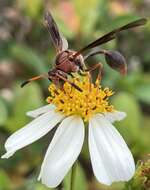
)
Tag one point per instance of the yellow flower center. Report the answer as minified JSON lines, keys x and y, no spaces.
{"x":70,"y":101}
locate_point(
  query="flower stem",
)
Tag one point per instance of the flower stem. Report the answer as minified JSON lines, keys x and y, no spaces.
{"x":72,"y":178}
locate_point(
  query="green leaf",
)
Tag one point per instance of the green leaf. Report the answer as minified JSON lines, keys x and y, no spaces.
{"x":137,"y":84}
{"x":29,"y":57}
{"x":33,"y":60}
{"x":5,"y":183}
{"x":143,"y":93}
{"x":39,"y":186}
{"x":122,"y":20}
{"x":27,"y":98}
{"x":80,"y":180}
{"x":87,"y":14}
{"x":31,"y":8}
{"x":3,"y":112}
{"x":130,"y":126}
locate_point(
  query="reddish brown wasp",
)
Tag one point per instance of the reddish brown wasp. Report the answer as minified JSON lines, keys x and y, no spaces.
{"x":68,"y":61}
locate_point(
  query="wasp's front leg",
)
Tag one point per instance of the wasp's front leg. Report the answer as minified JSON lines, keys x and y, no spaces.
{"x":63,"y":77}
{"x":98,"y":67}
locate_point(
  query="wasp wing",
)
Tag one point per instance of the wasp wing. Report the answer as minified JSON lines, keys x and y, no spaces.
{"x":64,"y":42}
{"x":111,"y":35}
{"x":58,"y":40}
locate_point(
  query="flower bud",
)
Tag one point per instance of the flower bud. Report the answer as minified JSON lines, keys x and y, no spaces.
{"x":141,"y":179}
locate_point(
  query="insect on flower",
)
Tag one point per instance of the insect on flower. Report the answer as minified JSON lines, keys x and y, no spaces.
{"x":68,"y":61}
{"x":111,"y":158}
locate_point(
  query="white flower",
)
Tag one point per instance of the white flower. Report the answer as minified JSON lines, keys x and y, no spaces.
{"x":111,"y":158}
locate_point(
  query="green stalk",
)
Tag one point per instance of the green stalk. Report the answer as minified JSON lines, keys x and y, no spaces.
{"x":72,"y":178}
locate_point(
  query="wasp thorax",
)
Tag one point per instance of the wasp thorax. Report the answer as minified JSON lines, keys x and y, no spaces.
{"x":67,"y":63}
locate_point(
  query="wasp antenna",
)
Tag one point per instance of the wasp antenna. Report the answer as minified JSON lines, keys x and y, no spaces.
{"x":34,"y":78}
{"x":24,"y":83}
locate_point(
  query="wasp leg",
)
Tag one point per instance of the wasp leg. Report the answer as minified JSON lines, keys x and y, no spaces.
{"x":66,"y":80}
{"x":98,"y":66}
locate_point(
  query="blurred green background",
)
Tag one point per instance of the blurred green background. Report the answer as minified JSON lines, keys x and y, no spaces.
{"x":26,"y":51}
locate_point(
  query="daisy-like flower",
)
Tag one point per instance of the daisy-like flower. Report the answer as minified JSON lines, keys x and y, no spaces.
{"x":111,"y":158}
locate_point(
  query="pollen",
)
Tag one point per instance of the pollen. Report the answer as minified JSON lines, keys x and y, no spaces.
{"x":70,"y":101}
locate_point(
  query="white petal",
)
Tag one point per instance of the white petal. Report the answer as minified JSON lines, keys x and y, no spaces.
{"x":115,"y":116}
{"x":62,"y":151}
{"x":37,"y":112}
{"x":31,"y":132}
{"x":111,"y":159}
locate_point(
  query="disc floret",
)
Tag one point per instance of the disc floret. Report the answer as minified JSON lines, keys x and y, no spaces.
{"x":69,"y":101}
